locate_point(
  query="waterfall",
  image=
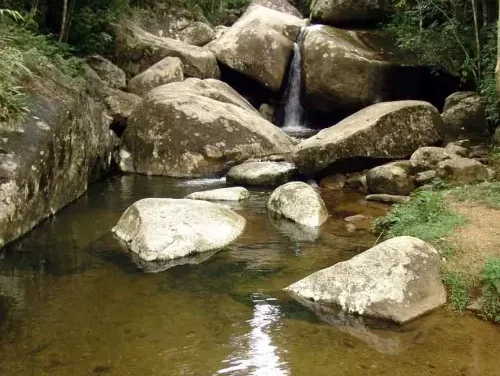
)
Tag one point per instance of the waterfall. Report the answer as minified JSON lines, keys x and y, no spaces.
{"x":294,"y":113}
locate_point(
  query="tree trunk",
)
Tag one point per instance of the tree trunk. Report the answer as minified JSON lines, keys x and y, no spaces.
{"x":497,"y":69}
{"x":478,"y":43}
{"x":64,"y":21}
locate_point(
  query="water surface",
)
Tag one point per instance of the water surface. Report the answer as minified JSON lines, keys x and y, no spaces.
{"x":72,"y":303}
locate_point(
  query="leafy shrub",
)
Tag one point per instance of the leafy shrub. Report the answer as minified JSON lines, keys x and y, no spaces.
{"x":491,"y":289}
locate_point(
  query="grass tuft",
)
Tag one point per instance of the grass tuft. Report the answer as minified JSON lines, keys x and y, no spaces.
{"x":491,"y":289}
{"x":487,"y":194}
{"x":458,"y":289}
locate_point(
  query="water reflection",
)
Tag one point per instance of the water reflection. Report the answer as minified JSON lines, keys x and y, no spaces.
{"x":262,"y":358}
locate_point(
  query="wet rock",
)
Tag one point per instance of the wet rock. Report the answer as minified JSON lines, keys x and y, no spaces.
{"x":333,"y":182}
{"x":388,"y":199}
{"x":294,"y":231}
{"x":464,"y":117}
{"x":279,"y":5}
{"x":428,"y":157}
{"x":391,"y":179}
{"x":197,"y":128}
{"x":267,"y":111}
{"x":261,"y":173}
{"x":163,"y":72}
{"x":350,"y":227}
{"x":425,"y":177}
{"x":355,"y":218}
{"x":397,"y":280}
{"x":359,"y":221}
{"x":113,"y":76}
{"x":197,"y":34}
{"x":52,"y":155}
{"x":166,"y":229}
{"x":462,"y":170}
{"x":137,"y":50}
{"x":388,"y":130}
{"x":350,"y":12}
{"x":458,"y":150}
{"x":299,"y":202}
{"x":222,"y":194}
{"x":259,"y":45}
{"x":357,"y":181}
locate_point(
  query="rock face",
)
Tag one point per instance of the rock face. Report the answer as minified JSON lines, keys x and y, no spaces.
{"x":428,"y":157}
{"x":113,"y":76}
{"x":261,"y":173}
{"x":349,"y":70}
{"x":222,"y":194}
{"x":163,"y":72}
{"x":462,"y":170}
{"x":352,"y":12}
{"x":137,"y":50}
{"x":464,"y":116}
{"x":259,"y":45}
{"x":48,"y":159}
{"x":279,"y":5}
{"x":389,"y":130}
{"x":165,"y":229}
{"x":197,"y":128}
{"x":298,"y":202}
{"x":197,"y":34}
{"x":391,"y":178}
{"x":397,"y":280}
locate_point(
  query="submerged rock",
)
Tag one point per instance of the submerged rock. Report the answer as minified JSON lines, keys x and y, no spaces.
{"x":166,"y":229}
{"x":298,"y":202}
{"x":221,"y":194}
{"x":259,"y":45}
{"x":351,"y":12}
{"x":261,"y":173}
{"x":390,"y":178}
{"x":388,"y":130}
{"x":397,"y":280}
{"x":388,"y":199}
{"x":163,"y":72}
{"x":197,"y":128}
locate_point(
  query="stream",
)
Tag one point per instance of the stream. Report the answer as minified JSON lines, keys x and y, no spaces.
{"x":73,"y":303}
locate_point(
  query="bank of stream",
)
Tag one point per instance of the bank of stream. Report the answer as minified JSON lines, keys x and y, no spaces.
{"x":73,"y":303}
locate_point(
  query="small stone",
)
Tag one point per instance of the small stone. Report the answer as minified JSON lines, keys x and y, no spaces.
{"x":350,"y":227}
{"x":355,"y":218}
{"x":333,"y":182}
{"x":388,"y":199}
{"x":357,"y":181}
{"x":425,"y":177}
{"x":458,"y":150}
{"x":222,"y":194}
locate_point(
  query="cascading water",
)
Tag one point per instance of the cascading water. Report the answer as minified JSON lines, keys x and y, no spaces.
{"x":294,"y":112}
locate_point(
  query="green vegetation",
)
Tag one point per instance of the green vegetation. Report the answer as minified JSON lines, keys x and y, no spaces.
{"x":487,"y":194}
{"x":491,"y":289}
{"x":427,"y":216}
{"x":459,"y":36}
{"x":459,"y":288}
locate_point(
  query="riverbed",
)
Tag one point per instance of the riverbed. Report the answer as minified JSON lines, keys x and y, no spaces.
{"x":74,"y":303}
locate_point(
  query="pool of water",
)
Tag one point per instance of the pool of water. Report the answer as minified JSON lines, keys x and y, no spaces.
{"x":72,"y":303}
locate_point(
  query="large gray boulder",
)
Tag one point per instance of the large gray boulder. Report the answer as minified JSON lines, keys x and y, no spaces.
{"x":464,"y":116}
{"x":137,"y":50}
{"x":261,"y":173}
{"x":350,"y":12}
{"x":197,"y":128}
{"x":463,"y":170}
{"x":397,"y":280}
{"x":347,"y":69}
{"x":166,"y":229}
{"x":391,"y":178}
{"x":279,"y":5}
{"x":163,"y":72}
{"x":259,"y":45}
{"x":113,"y":76}
{"x":298,"y":202}
{"x":197,"y":34}
{"x":52,"y":155}
{"x":389,"y":130}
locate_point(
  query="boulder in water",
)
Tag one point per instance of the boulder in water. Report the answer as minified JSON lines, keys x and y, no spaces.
{"x":261,"y":173}
{"x":388,"y":130}
{"x":163,"y":72}
{"x":298,"y":202}
{"x":397,"y":280}
{"x":221,"y":194}
{"x":197,"y":128}
{"x":259,"y":45}
{"x":159,"y":229}
{"x":350,"y":12}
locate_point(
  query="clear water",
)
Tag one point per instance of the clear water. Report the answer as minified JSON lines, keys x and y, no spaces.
{"x":72,"y":303}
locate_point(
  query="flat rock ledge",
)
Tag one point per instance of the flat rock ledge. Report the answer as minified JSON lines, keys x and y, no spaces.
{"x":397,"y":280}
{"x":222,"y":194}
{"x":159,"y":229}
